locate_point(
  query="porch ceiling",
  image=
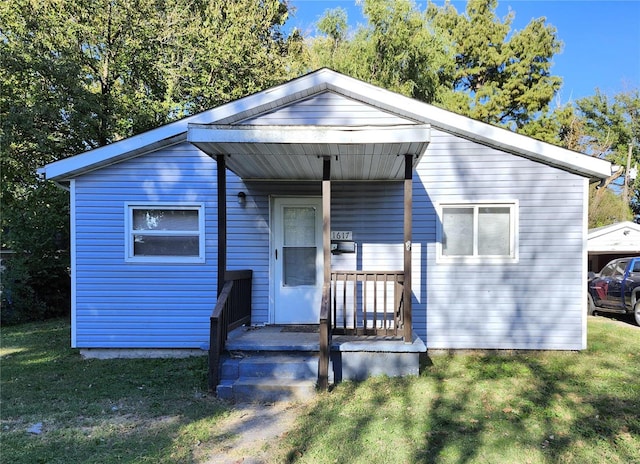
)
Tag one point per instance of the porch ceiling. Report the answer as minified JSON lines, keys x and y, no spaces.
{"x":296,"y":152}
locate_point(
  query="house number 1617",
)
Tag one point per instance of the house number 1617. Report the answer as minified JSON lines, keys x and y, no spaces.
{"x":341,"y":235}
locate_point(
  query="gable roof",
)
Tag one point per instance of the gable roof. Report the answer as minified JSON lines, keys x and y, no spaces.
{"x":622,"y":237}
{"x":321,"y":81}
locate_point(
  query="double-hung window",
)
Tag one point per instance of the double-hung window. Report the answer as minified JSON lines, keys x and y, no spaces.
{"x":164,"y":233}
{"x":478,"y":232}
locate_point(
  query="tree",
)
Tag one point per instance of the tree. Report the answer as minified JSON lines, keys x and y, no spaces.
{"x":500,"y":76}
{"x":471,"y":63}
{"x":216,"y":51}
{"x":605,"y":207}
{"x":612,"y":131}
{"x":394,"y":50}
{"x":78,"y":74}
{"x":604,"y":127}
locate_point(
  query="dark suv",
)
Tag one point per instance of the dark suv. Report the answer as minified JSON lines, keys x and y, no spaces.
{"x":616,"y":289}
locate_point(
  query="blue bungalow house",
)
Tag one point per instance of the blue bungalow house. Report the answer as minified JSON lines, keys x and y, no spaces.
{"x":356,"y":209}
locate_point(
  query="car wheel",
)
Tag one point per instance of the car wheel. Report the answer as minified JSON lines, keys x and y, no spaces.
{"x":636,"y":312}
{"x":591,"y":307}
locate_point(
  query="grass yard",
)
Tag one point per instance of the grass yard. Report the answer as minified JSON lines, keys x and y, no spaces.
{"x":546,"y":407}
{"x":98,"y":411}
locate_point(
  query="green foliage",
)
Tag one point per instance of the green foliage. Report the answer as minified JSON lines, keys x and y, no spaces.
{"x":334,"y":24}
{"x":605,"y":127}
{"x":35,"y":280}
{"x":611,"y":123}
{"x":562,"y":127}
{"x":221,"y":50}
{"x":394,"y":50}
{"x":500,"y":76}
{"x":471,"y":63}
{"x":78,"y":74}
{"x":605,"y":208}
{"x":612,"y":131}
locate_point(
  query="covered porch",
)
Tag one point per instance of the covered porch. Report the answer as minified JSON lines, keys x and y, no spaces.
{"x":372,"y":306}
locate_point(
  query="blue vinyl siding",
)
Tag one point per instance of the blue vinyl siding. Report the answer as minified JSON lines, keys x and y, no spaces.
{"x":533,"y":304}
{"x":328,"y":109}
{"x":142,"y":305}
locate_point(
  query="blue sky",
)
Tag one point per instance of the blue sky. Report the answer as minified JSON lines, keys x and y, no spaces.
{"x":601,"y":38}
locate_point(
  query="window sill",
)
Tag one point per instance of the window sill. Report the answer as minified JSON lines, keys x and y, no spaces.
{"x":164,"y":260}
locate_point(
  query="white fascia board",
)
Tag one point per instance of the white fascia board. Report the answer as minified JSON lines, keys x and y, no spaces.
{"x":73,"y":166}
{"x":471,"y":129}
{"x":326,"y":79}
{"x":605,"y":230}
{"x":308,"y":134}
{"x":166,"y":135}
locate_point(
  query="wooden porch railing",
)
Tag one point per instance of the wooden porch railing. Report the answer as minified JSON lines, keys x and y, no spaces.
{"x":359,"y":303}
{"x":232,"y":310}
{"x":367,"y":302}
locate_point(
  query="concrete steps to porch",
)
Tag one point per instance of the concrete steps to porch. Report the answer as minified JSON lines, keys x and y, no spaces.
{"x":273,"y":364}
{"x":268,"y":376}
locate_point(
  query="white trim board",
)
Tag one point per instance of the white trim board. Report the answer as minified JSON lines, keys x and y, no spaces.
{"x":318,"y":81}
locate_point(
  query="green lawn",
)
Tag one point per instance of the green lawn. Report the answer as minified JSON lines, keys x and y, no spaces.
{"x":98,"y":411}
{"x":496,"y":408}
{"x":545,"y":407}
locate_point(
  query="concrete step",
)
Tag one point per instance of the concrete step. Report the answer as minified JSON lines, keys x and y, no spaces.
{"x":268,"y":376}
{"x":268,"y":389}
{"x":279,"y":366}
{"x":265,"y":364}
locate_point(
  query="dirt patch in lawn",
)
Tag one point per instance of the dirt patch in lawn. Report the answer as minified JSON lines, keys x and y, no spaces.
{"x":251,"y":432}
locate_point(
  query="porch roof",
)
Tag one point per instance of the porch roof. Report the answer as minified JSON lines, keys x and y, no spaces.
{"x":296,"y":152}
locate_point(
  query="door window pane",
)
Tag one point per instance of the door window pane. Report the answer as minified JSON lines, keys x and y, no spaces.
{"x":299,"y":226}
{"x":299,"y":266}
{"x":457,"y":227}
{"x":494,"y":231}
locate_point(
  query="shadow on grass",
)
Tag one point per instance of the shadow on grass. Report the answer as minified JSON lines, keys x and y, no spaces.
{"x":134,"y":410}
{"x":487,"y":407}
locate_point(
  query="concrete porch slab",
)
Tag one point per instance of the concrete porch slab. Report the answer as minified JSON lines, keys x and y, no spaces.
{"x":275,"y":338}
{"x":271,"y":338}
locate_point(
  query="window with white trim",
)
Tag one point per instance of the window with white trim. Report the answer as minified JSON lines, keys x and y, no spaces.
{"x":478,"y":232}
{"x":164,"y":233}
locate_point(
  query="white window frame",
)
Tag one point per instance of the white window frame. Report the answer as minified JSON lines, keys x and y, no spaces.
{"x":129,"y":232}
{"x":514,"y":209}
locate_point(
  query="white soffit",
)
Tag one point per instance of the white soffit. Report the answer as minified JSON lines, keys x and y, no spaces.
{"x":296,"y":152}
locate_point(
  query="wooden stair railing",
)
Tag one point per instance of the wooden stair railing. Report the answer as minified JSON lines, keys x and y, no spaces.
{"x":232,"y":310}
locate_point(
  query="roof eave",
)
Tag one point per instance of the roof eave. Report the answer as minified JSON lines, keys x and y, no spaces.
{"x":324,"y":79}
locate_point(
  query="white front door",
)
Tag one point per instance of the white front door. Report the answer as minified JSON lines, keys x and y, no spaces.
{"x":297,"y":260}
